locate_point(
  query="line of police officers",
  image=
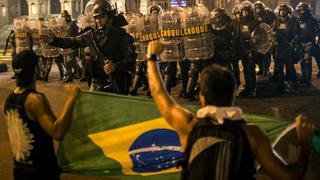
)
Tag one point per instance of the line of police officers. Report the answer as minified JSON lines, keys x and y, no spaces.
{"x":294,"y":40}
{"x":113,"y":52}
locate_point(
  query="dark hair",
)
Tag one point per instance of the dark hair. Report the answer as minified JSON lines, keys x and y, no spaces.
{"x":24,"y":65}
{"x":217,"y":85}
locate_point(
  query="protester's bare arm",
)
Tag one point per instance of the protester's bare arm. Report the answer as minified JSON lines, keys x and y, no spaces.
{"x":179,"y":118}
{"x":272,"y":165}
{"x":38,"y":109}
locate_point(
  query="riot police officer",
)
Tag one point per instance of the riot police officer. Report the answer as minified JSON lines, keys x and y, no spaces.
{"x":45,"y":59}
{"x":247,"y":51}
{"x":309,"y":31}
{"x":263,"y":15}
{"x":286,"y":31}
{"x":155,"y":9}
{"x":222,"y":29}
{"x":173,"y":51}
{"x":236,"y":11}
{"x":140,"y":77}
{"x":70,"y":61}
{"x":140,"y":73}
{"x":10,"y":42}
{"x":316,"y":51}
{"x":199,"y":49}
{"x":110,"y":45}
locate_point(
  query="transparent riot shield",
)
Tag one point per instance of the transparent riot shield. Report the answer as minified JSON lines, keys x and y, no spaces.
{"x":35,"y":36}
{"x":173,"y":47}
{"x":262,"y":38}
{"x":89,"y":7}
{"x":60,"y":30}
{"x":150,"y":23}
{"x":135,"y":28}
{"x":86,"y":21}
{"x":22,"y":34}
{"x":46,"y":49}
{"x":199,"y":46}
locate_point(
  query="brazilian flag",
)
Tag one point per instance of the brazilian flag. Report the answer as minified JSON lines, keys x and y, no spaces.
{"x":125,"y":137}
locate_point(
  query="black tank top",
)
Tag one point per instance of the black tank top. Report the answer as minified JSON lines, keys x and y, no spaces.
{"x":31,"y":145}
{"x":225,"y":161}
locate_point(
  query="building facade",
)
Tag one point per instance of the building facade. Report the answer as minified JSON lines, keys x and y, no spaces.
{"x":41,"y":8}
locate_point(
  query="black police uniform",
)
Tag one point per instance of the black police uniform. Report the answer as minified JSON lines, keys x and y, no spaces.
{"x":309,"y":31}
{"x":116,"y":45}
{"x":286,"y":31}
{"x":248,"y":54}
{"x":267,"y":17}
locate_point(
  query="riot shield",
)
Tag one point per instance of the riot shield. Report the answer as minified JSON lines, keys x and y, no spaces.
{"x":46,"y":49}
{"x":86,"y":21}
{"x":60,"y":30}
{"x":262,"y":38}
{"x":35,"y":36}
{"x":150,"y":24}
{"x":173,"y":47}
{"x":22,"y":35}
{"x":135,"y":28}
{"x":88,"y":9}
{"x":199,"y":46}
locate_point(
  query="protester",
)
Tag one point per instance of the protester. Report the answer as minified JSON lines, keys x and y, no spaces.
{"x":218,"y":142}
{"x":32,"y":124}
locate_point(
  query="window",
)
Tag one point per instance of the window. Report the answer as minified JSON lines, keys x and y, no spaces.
{"x":43,"y":8}
{"x":3,"y":10}
{"x":67,"y":6}
{"x":121,"y":5}
{"x":33,"y":9}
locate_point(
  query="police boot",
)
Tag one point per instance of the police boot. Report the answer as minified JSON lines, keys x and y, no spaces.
{"x":135,"y":85}
{"x":69,"y":74}
{"x":60,"y":68}
{"x":248,"y":92}
{"x":280,"y":88}
{"x":168,"y":82}
{"x":46,"y":77}
{"x":67,"y":79}
{"x":308,"y":74}
{"x":184,"y":85}
{"x":190,"y":94}
{"x":303,"y":73}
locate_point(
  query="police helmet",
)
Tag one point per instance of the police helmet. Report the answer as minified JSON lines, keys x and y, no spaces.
{"x":259,"y":4}
{"x":303,"y":8}
{"x":103,"y":7}
{"x":217,"y":13}
{"x":236,"y":10}
{"x":155,"y":8}
{"x":283,"y":7}
{"x":291,"y":10}
{"x":247,"y":6}
{"x":219,"y":19}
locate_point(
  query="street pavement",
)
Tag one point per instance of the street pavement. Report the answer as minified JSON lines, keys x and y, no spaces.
{"x":287,"y":106}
